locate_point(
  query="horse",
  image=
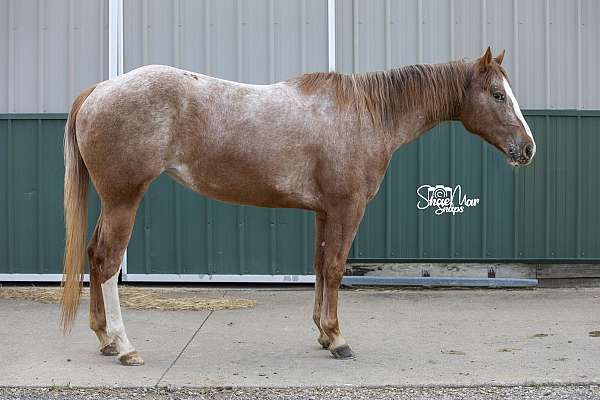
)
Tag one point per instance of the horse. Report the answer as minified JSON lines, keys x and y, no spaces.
{"x":320,"y":142}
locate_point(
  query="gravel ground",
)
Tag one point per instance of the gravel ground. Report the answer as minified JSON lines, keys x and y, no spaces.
{"x":570,"y":392}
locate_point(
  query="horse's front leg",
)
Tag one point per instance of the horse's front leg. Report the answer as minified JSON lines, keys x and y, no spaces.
{"x":340,"y":228}
{"x":319,"y":279}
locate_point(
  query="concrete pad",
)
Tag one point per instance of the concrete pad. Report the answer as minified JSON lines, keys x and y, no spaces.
{"x":34,"y":353}
{"x":418,"y":337}
{"x":401,"y":337}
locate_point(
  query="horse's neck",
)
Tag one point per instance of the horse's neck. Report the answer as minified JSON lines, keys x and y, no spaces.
{"x":440,"y":102}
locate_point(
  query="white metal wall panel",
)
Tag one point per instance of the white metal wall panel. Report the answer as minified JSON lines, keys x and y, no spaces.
{"x":257,"y":41}
{"x":553,"y":46}
{"x":52,"y":51}
{"x":589,"y":49}
{"x":55,"y":49}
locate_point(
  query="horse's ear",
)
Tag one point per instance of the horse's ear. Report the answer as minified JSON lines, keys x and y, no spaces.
{"x":486,"y":59}
{"x":500,"y":57}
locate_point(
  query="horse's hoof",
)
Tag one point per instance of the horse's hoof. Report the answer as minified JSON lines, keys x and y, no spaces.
{"x":342,"y":352}
{"x":324,"y":341}
{"x":131,"y":359}
{"x":109,"y":350}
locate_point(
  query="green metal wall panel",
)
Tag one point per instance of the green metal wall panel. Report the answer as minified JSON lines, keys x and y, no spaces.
{"x":546,"y":211}
{"x":31,"y":194}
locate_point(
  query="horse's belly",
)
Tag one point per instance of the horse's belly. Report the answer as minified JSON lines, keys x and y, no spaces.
{"x":240,"y":187}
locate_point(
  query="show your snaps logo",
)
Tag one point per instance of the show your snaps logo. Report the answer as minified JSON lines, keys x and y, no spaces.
{"x":444,"y":199}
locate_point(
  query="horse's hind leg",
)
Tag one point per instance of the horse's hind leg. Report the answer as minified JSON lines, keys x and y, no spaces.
{"x":97,"y":316}
{"x":113,"y":235}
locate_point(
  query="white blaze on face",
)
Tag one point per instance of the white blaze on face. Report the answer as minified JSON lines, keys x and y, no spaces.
{"x":517,"y":110}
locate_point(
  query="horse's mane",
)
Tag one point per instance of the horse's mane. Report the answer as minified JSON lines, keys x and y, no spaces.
{"x":434,"y":89}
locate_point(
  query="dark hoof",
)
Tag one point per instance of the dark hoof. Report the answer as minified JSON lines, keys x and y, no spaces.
{"x":343,"y":352}
{"x":109,"y":350}
{"x":131,"y":359}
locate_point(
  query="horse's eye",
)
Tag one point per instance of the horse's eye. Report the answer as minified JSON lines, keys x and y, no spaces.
{"x":499,"y":96}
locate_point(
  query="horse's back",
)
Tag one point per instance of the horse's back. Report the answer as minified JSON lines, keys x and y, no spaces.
{"x":253,"y":140}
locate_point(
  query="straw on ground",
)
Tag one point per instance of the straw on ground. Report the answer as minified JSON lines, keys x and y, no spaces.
{"x":136,"y":298}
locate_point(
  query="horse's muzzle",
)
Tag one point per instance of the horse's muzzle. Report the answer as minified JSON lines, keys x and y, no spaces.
{"x":521,"y":155}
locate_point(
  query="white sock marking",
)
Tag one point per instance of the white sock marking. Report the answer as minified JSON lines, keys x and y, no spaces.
{"x":518,"y":112}
{"x":114,"y":320}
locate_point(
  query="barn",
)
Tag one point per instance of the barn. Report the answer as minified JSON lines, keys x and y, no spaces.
{"x":542,"y":221}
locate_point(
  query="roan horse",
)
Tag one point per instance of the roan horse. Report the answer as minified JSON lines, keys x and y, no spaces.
{"x":321,"y":142}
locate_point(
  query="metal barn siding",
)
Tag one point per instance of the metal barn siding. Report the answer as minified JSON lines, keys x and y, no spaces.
{"x":176,"y":231}
{"x":52,"y":51}
{"x":552,"y":45}
{"x":31,"y":195}
{"x":545,"y":212}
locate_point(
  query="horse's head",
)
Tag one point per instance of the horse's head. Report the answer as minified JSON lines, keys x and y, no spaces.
{"x":491,"y":111}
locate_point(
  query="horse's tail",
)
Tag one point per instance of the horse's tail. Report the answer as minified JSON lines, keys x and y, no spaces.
{"x":75,"y":193}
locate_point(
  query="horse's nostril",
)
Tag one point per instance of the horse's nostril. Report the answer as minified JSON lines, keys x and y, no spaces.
{"x":528,"y":150}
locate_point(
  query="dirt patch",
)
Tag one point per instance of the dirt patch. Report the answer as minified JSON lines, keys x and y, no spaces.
{"x":136,"y":298}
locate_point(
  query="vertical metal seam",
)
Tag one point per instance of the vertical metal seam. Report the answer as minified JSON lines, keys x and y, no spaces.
{"x":239,"y":38}
{"x":452,"y":140}
{"x":420,"y":141}
{"x":10,"y":93}
{"x":120,"y":64}
{"x":331,"y":45}
{"x":71,"y":49}
{"x":209,"y":236}
{"x":148,"y":196}
{"x":547,"y":53}
{"x":102,"y":44}
{"x":39,"y":183}
{"x":208,"y":203}
{"x":515,"y":174}
{"x":241,"y":210}
{"x":177,"y":187}
{"x":304,"y":228}
{"x":547,"y":188}
{"x":272,"y":211}
{"x":389,"y":174}
{"x":516,"y":55}
{"x":10,"y":197}
{"x":145,"y":29}
{"x":355,"y":37}
{"x":303,"y":23}
{"x":484,"y":149}
{"x":40,"y":66}
{"x":356,"y":68}
{"x":578,"y":191}
{"x":579,"y":59}
{"x":207,"y":30}
{"x":176,"y":25}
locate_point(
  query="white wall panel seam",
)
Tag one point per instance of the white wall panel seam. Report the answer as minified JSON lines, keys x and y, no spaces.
{"x":41,"y":56}
{"x":10,"y":91}
{"x":331,"y":30}
{"x":579,"y":60}
{"x":71,"y":50}
{"x":547,"y":53}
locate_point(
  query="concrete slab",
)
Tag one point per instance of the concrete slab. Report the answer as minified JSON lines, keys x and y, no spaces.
{"x":416,"y":337}
{"x":445,"y":337}
{"x":34,"y":353}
